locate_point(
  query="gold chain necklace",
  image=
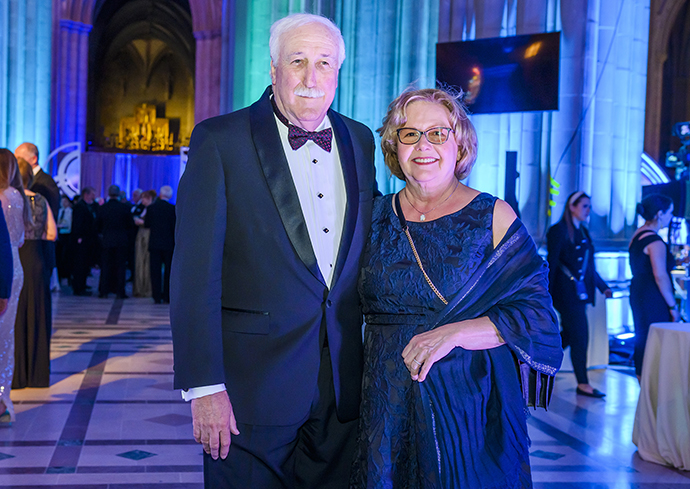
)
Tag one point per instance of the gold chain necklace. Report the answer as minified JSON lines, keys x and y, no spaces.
{"x":422,"y":215}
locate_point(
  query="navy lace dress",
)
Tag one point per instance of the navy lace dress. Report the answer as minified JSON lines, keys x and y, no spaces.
{"x":395,"y":449}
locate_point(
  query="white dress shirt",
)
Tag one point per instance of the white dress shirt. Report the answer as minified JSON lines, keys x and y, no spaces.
{"x":320,"y":184}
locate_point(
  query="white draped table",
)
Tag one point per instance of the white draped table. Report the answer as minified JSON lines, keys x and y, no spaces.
{"x":662,"y":420}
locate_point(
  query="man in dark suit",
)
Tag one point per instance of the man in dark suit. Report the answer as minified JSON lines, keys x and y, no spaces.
{"x":114,"y":222}
{"x":43,"y":183}
{"x":6,"y":264}
{"x":273,"y":212}
{"x":84,"y":239}
{"x":160,"y":218}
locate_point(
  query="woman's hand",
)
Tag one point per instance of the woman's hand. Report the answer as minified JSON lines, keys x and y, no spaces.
{"x":675,"y":314}
{"x":427,"y":348}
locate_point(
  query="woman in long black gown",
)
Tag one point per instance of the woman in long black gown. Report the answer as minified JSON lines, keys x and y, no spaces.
{"x":651,"y":290}
{"x":441,"y":400}
{"x":33,"y":326}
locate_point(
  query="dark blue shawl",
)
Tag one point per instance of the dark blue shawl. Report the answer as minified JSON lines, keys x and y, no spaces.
{"x":480,"y":436}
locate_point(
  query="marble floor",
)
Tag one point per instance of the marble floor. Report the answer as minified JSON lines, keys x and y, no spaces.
{"x":111,"y":419}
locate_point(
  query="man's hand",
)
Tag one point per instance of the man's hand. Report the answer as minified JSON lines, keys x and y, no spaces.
{"x":213,"y":421}
{"x":3,"y":306}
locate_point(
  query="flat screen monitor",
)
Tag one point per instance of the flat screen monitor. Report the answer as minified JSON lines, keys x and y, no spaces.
{"x":503,"y":74}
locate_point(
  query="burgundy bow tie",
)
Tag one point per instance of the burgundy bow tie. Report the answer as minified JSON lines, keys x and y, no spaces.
{"x":297,"y":137}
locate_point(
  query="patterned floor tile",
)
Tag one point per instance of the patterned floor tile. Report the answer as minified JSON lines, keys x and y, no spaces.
{"x":136,"y":455}
{"x":131,"y":428}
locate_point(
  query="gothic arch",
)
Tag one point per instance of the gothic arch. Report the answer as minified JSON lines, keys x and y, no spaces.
{"x":662,"y":19}
{"x":72,"y":22}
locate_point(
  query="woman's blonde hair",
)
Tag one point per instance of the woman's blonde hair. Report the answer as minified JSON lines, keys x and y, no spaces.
{"x":465,"y":135}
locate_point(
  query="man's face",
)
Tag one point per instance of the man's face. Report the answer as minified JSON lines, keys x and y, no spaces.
{"x":136,"y":196}
{"x":24,"y":153}
{"x":88,"y":197}
{"x":306,"y":75}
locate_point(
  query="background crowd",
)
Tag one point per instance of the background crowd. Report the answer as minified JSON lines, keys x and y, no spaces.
{"x":129,"y":240}
{"x":46,"y":237}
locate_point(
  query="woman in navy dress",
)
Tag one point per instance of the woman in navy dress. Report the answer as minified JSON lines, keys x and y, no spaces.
{"x":651,"y":290}
{"x":571,"y":259}
{"x":457,"y":315}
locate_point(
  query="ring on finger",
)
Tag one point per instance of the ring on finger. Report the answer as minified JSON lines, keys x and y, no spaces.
{"x":417,"y":362}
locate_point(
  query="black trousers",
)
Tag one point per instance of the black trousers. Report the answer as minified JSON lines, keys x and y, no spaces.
{"x":113,"y":271}
{"x":82,"y":260}
{"x":63,"y":252}
{"x":160,"y":290}
{"x":314,"y":454}
{"x":575,"y":334}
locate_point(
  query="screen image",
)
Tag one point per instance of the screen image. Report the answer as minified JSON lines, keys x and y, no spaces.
{"x":503,"y":74}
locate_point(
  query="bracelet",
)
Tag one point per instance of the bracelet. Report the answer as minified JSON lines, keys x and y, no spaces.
{"x":673,"y":307}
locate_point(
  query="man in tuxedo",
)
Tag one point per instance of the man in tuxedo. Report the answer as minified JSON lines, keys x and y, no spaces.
{"x":160,"y":218}
{"x":6,"y":264}
{"x":273,"y":212}
{"x":114,"y":222}
{"x":43,"y":183}
{"x":84,"y":239}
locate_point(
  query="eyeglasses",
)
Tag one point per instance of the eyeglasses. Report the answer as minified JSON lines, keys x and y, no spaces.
{"x":435,"y":135}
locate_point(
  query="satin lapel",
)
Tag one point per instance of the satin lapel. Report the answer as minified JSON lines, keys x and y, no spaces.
{"x":269,"y":149}
{"x":347,"y":162}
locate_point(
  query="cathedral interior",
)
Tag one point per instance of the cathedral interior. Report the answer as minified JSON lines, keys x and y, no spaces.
{"x":110,"y":91}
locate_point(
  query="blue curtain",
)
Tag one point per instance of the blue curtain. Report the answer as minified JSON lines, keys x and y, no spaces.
{"x":25,"y":63}
{"x":129,"y":171}
{"x":390,"y":45}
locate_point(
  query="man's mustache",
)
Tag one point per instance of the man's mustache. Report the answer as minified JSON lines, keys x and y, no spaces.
{"x":302,"y":91}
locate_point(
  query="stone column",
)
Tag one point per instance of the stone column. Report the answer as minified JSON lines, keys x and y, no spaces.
{"x":25,"y":45}
{"x":207,"y":76}
{"x":71,"y":63}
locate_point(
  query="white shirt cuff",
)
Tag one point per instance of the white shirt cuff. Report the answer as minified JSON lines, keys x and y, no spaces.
{"x":197,"y":392}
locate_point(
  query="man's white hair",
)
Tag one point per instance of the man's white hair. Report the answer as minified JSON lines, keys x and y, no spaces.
{"x":166,"y":191}
{"x":294,"y":21}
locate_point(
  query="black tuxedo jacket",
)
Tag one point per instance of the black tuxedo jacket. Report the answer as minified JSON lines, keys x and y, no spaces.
{"x":114,"y":222}
{"x":84,"y":222}
{"x":160,"y":218}
{"x":46,"y":186}
{"x":248,"y":299}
